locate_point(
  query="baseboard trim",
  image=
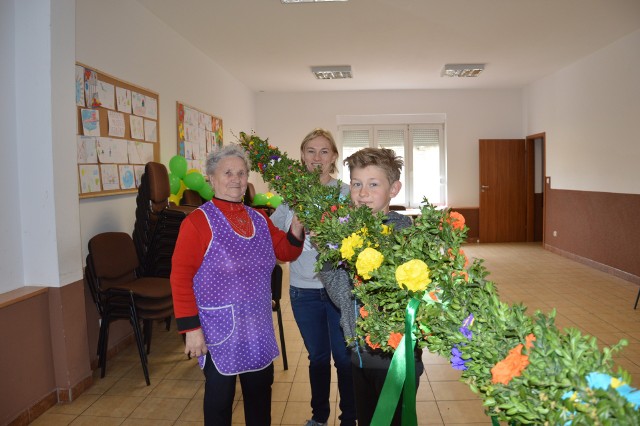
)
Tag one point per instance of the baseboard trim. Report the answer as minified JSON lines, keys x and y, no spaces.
{"x":595,"y":265}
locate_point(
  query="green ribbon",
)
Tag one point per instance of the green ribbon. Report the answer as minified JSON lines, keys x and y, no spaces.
{"x":402,"y":366}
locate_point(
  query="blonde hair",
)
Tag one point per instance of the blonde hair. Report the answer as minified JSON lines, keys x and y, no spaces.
{"x":328,"y":136}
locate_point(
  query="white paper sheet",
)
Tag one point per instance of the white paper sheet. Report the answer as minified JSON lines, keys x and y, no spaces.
{"x":139,"y":171}
{"x":137,"y":127}
{"x":80,"y":86}
{"x":89,"y":178}
{"x":87,"y":149}
{"x":137,"y":103}
{"x":106,"y":95}
{"x":116,"y":124}
{"x":127,"y":178}
{"x":110,"y":178}
{"x":90,"y":122}
{"x":151,"y":108}
{"x":123,"y":99}
{"x":140,"y":152}
{"x":150,"y":131}
{"x":112,"y":150}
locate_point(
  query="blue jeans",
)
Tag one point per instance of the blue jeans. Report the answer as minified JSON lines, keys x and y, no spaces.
{"x":319,"y":322}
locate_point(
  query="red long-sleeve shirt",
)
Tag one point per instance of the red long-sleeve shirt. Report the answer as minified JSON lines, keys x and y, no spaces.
{"x":191,"y":246}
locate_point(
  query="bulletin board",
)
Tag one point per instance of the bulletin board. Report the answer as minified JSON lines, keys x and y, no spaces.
{"x":118,"y":133}
{"x":199,"y":133}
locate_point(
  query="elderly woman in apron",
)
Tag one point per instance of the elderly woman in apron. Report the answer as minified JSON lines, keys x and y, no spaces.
{"x":221,"y":282}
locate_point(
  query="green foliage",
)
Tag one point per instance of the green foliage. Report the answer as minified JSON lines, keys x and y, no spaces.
{"x":558,"y":361}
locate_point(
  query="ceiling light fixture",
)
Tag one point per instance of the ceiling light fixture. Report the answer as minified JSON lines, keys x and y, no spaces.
{"x":309,"y":1}
{"x":333,"y":72}
{"x":462,"y":70}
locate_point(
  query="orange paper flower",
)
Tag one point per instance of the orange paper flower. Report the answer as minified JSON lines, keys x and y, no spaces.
{"x":514,"y":363}
{"x":363,"y":312}
{"x":394,"y":340}
{"x":371,"y":345}
{"x":456,"y":220}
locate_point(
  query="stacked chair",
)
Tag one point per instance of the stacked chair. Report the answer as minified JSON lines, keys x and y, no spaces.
{"x":120,"y":292}
{"x":191,"y":198}
{"x":157,"y":221}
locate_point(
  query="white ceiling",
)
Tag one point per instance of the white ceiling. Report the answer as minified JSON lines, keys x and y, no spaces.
{"x":396,"y":44}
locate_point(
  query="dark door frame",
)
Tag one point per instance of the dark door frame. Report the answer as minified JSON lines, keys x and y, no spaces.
{"x":530,"y":183}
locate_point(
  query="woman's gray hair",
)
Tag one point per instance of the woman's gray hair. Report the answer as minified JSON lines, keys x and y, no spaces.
{"x":230,"y":150}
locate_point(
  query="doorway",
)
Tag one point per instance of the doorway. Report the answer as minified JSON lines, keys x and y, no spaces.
{"x":512,"y":189}
{"x":536,"y":162}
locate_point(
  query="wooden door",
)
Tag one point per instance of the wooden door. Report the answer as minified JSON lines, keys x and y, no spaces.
{"x":503,"y":194}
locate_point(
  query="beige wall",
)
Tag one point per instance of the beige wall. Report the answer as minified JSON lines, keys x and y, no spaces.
{"x":470,"y":115}
{"x":589,"y":111}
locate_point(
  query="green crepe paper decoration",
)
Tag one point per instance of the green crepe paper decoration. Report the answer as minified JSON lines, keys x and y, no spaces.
{"x":174,"y":183}
{"x":178,"y":166}
{"x":274,"y":201}
{"x":206,"y":192}
{"x":194,"y":180}
{"x":260,"y":199}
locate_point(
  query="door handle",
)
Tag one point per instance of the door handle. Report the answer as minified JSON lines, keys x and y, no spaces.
{"x":483,"y":187}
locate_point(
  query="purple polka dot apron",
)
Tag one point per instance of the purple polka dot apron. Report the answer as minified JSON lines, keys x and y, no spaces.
{"x":233,"y":294}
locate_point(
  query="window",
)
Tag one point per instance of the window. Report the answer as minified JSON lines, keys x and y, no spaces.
{"x":422,"y":148}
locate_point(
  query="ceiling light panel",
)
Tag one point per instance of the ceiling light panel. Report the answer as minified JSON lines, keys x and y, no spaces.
{"x":310,"y":1}
{"x":332,"y":72}
{"x":462,"y":70}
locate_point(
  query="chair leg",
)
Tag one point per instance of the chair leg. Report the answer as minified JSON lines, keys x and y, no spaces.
{"x":148,"y":330}
{"x":637,"y":297}
{"x":103,"y":344}
{"x":282,"y":345}
{"x":135,"y":323}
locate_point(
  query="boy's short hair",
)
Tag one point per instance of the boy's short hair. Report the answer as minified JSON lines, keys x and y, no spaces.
{"x":384,"y":158}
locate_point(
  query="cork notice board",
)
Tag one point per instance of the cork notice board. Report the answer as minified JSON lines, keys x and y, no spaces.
{"x":199,"y":133}
{"x":118,"y":133}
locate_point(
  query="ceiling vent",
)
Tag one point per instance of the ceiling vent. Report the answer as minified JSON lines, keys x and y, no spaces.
{"x":334,"y":72}
{"x":462,"y":70}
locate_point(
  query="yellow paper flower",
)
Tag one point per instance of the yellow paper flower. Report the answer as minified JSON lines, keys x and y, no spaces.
{"x":368,"y":261}
{"x":349,"y":244}
{"x":413,"y":275}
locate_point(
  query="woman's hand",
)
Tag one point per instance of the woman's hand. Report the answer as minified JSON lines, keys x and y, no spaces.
{"x":297,"y":228}
{"x":194,"y":343}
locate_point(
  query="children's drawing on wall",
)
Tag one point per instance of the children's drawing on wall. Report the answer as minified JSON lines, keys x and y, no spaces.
{"x":110,"y":178}
{"x":150,"y":131}
{"x":91,"y":88}
{"x":106,"y":95}
{"x":151,"y":108}
{"x":127,"y":178}
{"x":123,"y":100}
{"x":137,"y":127}
{"x":89,"y":178}
{"x":138,"y":103}
{"x":116,"y":124}
{"x":112,"y":150}
{"x":87,"y":149}
{"x":140,"y":152}
{"x":138,"y":171}
{"x":80,"y":86}
{"x":90,"y":122}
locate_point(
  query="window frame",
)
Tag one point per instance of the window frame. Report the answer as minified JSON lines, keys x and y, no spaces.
{"x":408,"y":170}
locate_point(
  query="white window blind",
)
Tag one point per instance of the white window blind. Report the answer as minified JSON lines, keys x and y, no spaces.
{"x":422,"y":148}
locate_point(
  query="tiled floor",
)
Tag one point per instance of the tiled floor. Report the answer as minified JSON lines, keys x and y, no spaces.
{"x":595,"y":302}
